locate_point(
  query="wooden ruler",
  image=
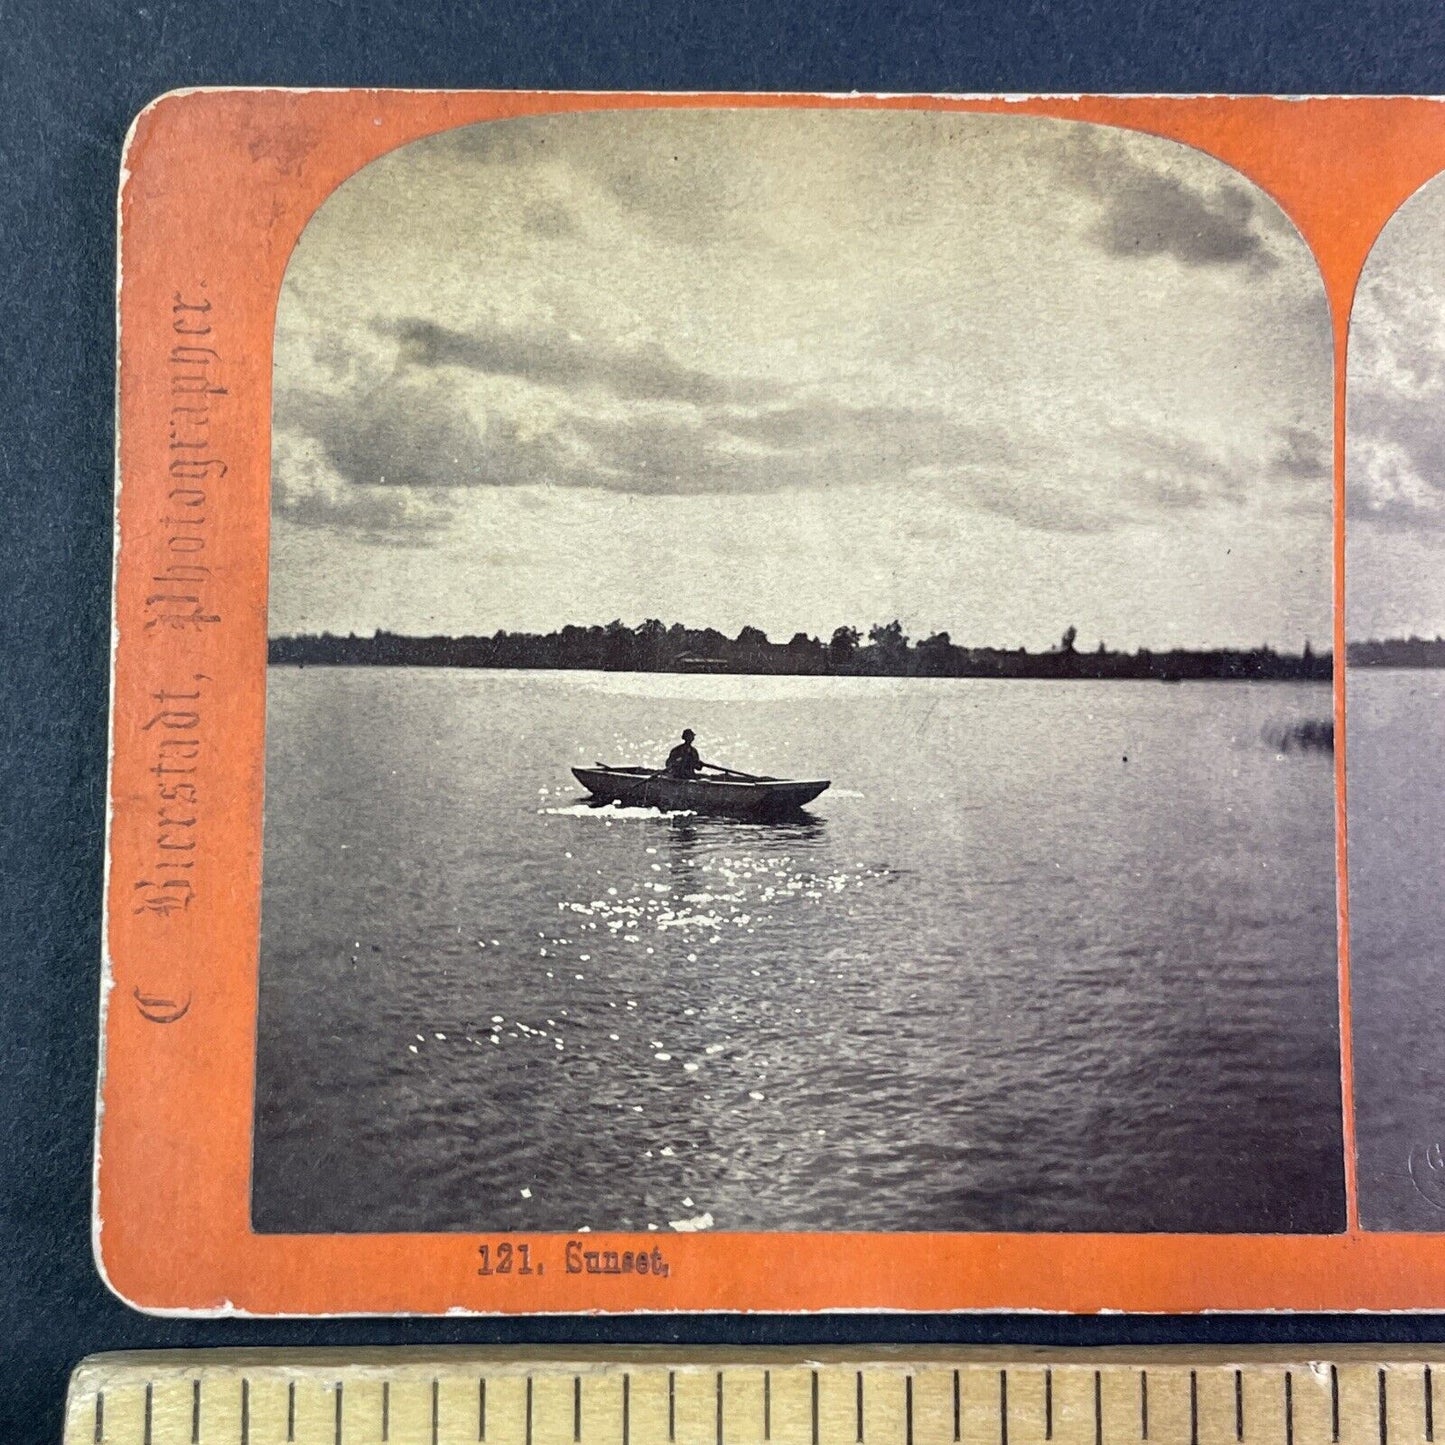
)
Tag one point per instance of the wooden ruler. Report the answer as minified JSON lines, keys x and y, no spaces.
{"x":872,"y":1396}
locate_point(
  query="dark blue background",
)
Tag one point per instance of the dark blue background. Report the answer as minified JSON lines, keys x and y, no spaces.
{"x":71,"y":77}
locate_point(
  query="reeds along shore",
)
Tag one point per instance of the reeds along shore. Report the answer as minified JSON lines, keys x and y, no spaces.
{"x":885,"y":652}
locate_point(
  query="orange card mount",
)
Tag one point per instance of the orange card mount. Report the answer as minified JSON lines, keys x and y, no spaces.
{"x":737,"y":702}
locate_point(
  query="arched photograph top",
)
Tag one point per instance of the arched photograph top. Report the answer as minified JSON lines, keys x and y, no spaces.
{"x":993,"y":374}
{"x":1395,"y":621}
{"x":724,"y":563}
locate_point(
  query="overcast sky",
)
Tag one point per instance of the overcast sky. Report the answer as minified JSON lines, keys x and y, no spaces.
{"x":1395,"y":462}
{"x":990,"y":374}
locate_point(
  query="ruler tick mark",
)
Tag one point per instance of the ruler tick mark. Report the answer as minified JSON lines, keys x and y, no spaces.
{"x":1352,"y":1415}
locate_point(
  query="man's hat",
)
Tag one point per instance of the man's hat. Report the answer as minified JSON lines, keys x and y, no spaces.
{"x":688,"y":735}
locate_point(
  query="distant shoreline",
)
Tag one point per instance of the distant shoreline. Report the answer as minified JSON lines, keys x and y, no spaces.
{"x":1406,"y":652}
{"x":654,"y":648}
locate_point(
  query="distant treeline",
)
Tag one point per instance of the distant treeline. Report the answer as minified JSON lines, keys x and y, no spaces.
{"x":885,"y":652}
{"x":1398,"y":652}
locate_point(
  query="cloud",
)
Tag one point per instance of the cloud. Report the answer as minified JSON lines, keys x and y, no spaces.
{"x":550,"y":220}
{"x":1396,"y":471}
{"x":1397,"y":467}
{"x":397,"y":435}
{"x":416,"y":431}
{"x":620,"y":360}
{"x":1152,"y":209}
{"x":1302,"y":456}
{"x":552,"y":356}
{"x":306,"y":491}
{"x":513,"y":143}
{"x":416,"y":434}
{"x":368,"y":513}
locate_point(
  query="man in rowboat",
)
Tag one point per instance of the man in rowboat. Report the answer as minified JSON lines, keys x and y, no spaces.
{"x":683,"y":761}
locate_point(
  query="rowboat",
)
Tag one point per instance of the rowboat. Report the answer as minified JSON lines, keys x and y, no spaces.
{"x":739,"y":795}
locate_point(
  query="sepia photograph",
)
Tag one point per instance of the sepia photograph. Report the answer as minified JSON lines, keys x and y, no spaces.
{"x":1395,"y":702}
{"x":799,"y":689}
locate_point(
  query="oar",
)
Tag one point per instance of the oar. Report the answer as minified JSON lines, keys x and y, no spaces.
{"x":742,"y":777}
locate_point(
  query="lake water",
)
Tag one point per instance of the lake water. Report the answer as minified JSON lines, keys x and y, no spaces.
{"x":1047,"y":956}
{"x":1397,"y":922}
